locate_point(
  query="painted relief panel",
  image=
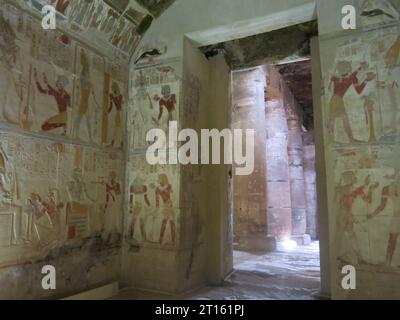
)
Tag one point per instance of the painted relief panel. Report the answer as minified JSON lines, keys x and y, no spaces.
{"x":155,"y":98}
{"x":51,"y":85}
{"x":87,"y":106}
{"x":361,"y":90}
{"x":153,"y":201}
{"x":54,"y":193}
{"x":101,"y":22}
{"x":362,"y":133}
{"x":365,"y":193}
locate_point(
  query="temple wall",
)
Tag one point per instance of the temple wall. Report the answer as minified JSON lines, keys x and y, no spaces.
{"x":62,"y":126}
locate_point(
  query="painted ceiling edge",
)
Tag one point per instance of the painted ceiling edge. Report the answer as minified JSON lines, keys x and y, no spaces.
{"x":112,"y":28}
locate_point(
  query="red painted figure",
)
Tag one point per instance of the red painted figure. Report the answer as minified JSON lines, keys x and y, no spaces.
{"x":168,"y":101}
{"x":116,"y":99}
{"x":62,"y":98}
{"x":113,"y":189}
{"x":163,"y":192}
{"x":345,"y":219}
{"x":391,"y":191}
{"x":62,"y":6}
{"x":341,"y":84}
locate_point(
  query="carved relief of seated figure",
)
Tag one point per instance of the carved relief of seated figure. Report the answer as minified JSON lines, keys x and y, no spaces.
{"x":78,"y":208}
{"x":43,"y":218}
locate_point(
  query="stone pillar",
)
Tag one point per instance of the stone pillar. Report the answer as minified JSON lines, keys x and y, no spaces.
{"x":278,"y":186}
{"x":295,"y":156}
{"x":310,"y":184}
{"x":250,"y":194}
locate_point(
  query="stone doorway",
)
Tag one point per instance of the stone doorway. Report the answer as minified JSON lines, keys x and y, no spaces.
{"x":274,"y":209}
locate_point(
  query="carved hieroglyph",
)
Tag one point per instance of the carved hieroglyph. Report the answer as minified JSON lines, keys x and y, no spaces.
{"x":362,"y":126}
{"x":153,"y":194}
{"x":155,"y":96}
{"x":52,"y":193}
{"x":50,"y":84}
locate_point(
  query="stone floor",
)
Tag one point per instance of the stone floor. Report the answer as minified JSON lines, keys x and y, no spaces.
{"x":286,"y":274}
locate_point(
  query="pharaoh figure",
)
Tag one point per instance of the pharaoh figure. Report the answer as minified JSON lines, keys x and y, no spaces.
{"x":168,"y":102}
{"x":342,"y":80}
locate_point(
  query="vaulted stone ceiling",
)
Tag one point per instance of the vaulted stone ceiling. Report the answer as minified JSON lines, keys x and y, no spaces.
{"x":116,"y":25}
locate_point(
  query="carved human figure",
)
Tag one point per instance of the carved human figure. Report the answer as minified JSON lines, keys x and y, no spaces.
{"x":78,"y":208}
{"x":368,"y":94}
{"x":138,"y":200}
{"x":35,"y":211}
{"x":62,"y":6}
{"x":391,"y":192}
{"x":113,"y":191}
{"x":167,"y":101}
{"x":78,"y":11}
{"x":163,"y":193}
{"x":392,"y":60}
{"x":46,"y":212}
{"x":116,"y":101}
{"x":95,"y":17}
{"x":143,"y":108}
{"x":53,"y":207}
{"x":117,"y":35}
{"x":108,"y":23}
{"x":346,"y":193}
{"x":342,"y":80}
{"x":62,"y":99}
{"x":86,"y":89}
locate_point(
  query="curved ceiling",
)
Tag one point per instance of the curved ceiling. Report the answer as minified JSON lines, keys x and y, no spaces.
{"x":112,"y":25}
